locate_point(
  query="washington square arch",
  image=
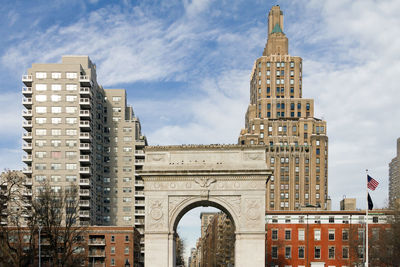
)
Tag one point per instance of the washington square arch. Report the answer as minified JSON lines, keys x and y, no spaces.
{"x":180,"y":178}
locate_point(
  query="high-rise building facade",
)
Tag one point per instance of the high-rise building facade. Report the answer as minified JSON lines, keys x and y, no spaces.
{"x":394,"y":178}
{"x":78,"y":133}
{"x":279,"y":118}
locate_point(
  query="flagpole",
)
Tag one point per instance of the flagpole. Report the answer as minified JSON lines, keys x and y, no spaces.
{"x":366,"y":225}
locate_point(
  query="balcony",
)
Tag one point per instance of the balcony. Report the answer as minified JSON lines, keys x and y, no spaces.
{"x":27,"y":113}
{"x":27,"y":79}
{"x":97,"y":242}
{"x":139,"y":183}
{"x":139,"y":153}
{"x":27,"y":90}
{"x":84,"y":182}
{"x":139,"y":212}
{"x":83,"y":213}
{"x":84,"y":113}
{"x":27,"y":102}
{"x":139,"y":193}
{"x":85,"y":91}
{"x":84,"y":170}
{"x":100,"y":254}
{"x":139,"y":221}
{"x":85,"y":80}
{"x":27,"y":147}
{"x":139,"y":161}
{"x":84,"y":192}
{"x":84,"y":146}
{"x":84,"y":158}
{"x":139,"y":203}
{"x":27,"y":158}
{"x":84,"y":124}
{"x":85,"y":136}
{"x":28,"y":181}
{"x":84,"y":203}
{"x":27,"y":135}
{"x":27,"y":125}
{"x":84,"y":102}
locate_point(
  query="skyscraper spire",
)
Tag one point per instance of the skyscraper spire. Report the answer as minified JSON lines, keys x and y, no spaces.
{"x":277,"y":43}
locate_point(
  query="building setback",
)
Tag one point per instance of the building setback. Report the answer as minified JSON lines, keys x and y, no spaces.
{"x":278,"y":117}
{"x":79,"y":133}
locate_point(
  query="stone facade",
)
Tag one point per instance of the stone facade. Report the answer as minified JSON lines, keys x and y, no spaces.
{"x":179,"y":178}
{"x":278,"y":117}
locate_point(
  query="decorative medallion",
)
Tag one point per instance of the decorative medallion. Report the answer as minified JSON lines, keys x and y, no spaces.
{"x":253,"y":210}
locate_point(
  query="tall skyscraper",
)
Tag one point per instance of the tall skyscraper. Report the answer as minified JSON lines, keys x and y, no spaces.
{"x":394,"y":178}
{"x":79,"y":133}
{"x":279,"y":118}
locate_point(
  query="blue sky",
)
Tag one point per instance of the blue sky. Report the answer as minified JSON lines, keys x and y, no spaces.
{"x":186,"y":67}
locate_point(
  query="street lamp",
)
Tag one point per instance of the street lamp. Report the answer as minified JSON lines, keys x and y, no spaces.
{"x":40,"y":256}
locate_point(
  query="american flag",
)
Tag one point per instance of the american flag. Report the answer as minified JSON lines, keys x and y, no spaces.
{"x":372,"y":183}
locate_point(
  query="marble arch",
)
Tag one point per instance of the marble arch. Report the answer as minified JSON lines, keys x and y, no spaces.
{"x":229,"y":177}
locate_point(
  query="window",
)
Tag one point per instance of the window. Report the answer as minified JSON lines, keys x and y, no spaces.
{"x":317,"y":234}
{"x":71,"y":143}
{"x":41,"y":98}
{"x":112,"y":250}
{"x":56,"y":166}
{"x":112,"y":238}
{"x":301,"y":252}
{"x":272,"y":160}
{"x":70,"y":110}
{"x":127,"y":218}
{"x":40,"y":154}
{"x":71,"y":120}
{"x":126,"y":199}
{"x":41,"y":110}
{"x":71,"y":98}
{"x":288,"y":252}
{"x":40,"y":178}
{"x":345,"y":252}
{"x":56,"y":120}
{"x":288,"y":234}
{"x":331,"y":252}
{"x":301,"y":234}
{"x":127,"y":190}
{"x":112,"y":262}
{"x":317,"y":252}
{"x":55,"y":143}
{"x":56,"y":110}
{"x":41,"y":131}
{"x":127,"y":149}
{"x":127,"y":238}
{"x":70,"y":154}
{"x":126,"y":209}
{"x":56,"y":154}
{"x":375,"y":219}
{"x":55,"y":178}
{"x":127,"y":179}
{"x":331,"y":234}
{"x":55,"y":132}
{"x":274,"y":234}
{"x":71,"y":75}
{"x":261,"y":126}
{"x":274,"y":252}
{"x":40,"y":120}
{"x":116,"y":98}
{"x":40,"y":166}
{"x":71,"y":87}
{"x":41,"y":75}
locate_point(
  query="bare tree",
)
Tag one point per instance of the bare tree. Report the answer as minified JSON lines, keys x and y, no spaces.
{"x":180,"y":247}
{"x":18,"y":230}
{"x":58,"y":214}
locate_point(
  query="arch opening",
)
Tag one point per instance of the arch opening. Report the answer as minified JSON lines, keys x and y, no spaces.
{"x":204,"y":235}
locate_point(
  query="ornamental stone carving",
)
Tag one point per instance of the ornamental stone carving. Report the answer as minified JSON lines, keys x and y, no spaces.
{"x":252,"y":209}
{"x":156,"y":214}
{"x":204,"y":182}
{"x":253,"y":156}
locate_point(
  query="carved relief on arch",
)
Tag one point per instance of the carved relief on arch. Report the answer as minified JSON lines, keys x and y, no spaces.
{"x":174,"y":202}
{"x":156,"y":218}
{"x":231,"y":201}
{"x":253,"y":211}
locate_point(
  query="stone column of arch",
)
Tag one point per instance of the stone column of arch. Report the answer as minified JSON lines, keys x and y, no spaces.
{"x":180,"y":178}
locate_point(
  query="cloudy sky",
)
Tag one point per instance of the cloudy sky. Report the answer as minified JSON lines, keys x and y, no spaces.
{"x":186,"y":66}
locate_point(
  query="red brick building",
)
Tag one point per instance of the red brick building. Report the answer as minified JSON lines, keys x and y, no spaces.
{"x":321,"y":238}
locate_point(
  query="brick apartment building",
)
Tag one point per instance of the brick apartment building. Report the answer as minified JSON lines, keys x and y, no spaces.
{"x":321,"y":238}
